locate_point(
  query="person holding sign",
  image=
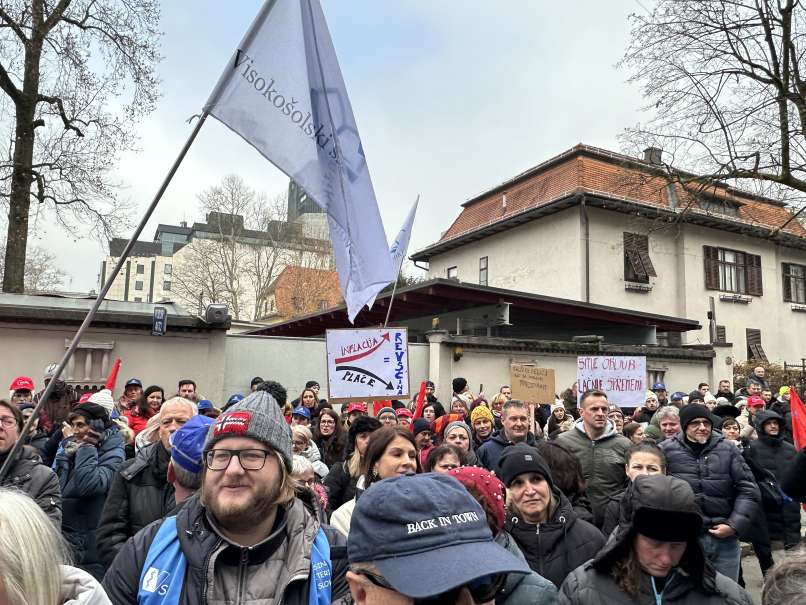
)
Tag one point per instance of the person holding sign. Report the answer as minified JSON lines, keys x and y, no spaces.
{"x":600,"y":449}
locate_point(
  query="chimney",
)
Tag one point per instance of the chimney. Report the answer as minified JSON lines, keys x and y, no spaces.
{"x":504,"y":204}
{"x":652,"y":155}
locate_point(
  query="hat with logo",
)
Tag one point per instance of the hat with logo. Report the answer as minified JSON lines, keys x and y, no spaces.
{"x":404,"y":413}
{"x":206,"y":404}
{"x":258,"y":417}
{"x":521,"y":458}
{"x":658,"y":386}
{"x":409,"y":524}
{"x":302,"y":411}
{"x":429,"y":384}
{"x":357,"y":406}
{"x":677,"y":396}
{"x":188,"y":443}
{"x":755,"y":401}
{"x":22,"y":383}
{"x":233,"y":400}
{"x":133,"y":382}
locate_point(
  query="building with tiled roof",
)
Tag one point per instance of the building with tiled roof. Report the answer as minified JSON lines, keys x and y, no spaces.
{"x":606,"y":228}
{"x":301,"y":291}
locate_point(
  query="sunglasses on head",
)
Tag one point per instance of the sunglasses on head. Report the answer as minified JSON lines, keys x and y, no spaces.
{"x":481,"y":589}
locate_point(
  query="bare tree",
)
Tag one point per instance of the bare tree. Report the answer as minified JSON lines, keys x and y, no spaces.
{"x":41,"y":271}
{"x":725,"y":83}
{"x":76,"y":76}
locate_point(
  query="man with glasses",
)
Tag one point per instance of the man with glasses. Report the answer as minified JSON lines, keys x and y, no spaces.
{"x":140,"y":491}
{"x":724,"y":486}
{"x":420,"y":539}
{"x":27,"y":473}
{"x":247,"y":537}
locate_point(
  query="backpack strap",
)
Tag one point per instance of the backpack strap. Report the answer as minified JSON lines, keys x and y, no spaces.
{"x":163,"y":572}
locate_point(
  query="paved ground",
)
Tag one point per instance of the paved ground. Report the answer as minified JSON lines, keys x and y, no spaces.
{"x":752,"y":574}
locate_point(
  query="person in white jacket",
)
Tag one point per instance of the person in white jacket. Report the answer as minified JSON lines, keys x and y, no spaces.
{"x":33,"y":557}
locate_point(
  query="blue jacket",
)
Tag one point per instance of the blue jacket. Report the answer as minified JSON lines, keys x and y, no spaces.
{"x":490,"y":451}
{"x":84,"y":478}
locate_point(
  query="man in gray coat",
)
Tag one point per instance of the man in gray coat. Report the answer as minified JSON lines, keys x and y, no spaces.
{"x":600,"y":449}
{"x":27,"y":473}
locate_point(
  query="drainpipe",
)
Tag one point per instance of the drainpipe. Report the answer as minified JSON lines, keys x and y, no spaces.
{"x":585,"y":226}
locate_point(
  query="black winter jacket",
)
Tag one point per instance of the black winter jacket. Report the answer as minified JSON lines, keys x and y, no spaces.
{"x":782,"y":407}
{"x":340,"y":486}
{"x":694,"y":582}
{"x":30,"y":476}
{"x":490,"y":452}
{"x":140,"y":493}
{"x":85,"y":477}
{"x":204,"y":548}
{"x":554,"y":548}
{"x":776,"y":456}
{"x":794,"y":481}
{"x":720,"y":478}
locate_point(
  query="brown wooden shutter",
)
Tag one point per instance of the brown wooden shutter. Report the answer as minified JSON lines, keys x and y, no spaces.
{"x":642,"y":245}
{"x":632,"y":259}
{"x":721,"y":335}
{"x":753,"y":268}
{"x":711,"y":256}
{"x":787,"y":283}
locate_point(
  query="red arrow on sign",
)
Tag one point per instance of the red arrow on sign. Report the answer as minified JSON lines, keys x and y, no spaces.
{"x":363,"y":353}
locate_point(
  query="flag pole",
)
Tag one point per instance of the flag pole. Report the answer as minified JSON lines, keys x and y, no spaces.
{"x":100,"y":299}
{"x":392,"y":298}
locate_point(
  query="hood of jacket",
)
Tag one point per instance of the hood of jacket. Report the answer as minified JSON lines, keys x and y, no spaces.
{"x":765,"y":416}
{"x":610,"y":430}
{"x":642,"y":495}
{"x":80,"y":588}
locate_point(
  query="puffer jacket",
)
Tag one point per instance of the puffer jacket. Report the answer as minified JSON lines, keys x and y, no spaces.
{"x":216,"y":569}
{"x":490,"y":452}
{"x":140,"y":494}
{"x":720,"y":478}
{"x":776,"y":456}
{"x":30,"y":476}
{"x":85,"y":476}
{"x":694,"y":582}
{"x":602,"y":462}
{"x":80,"y":588}
{"x":523,"y":589}
{"x":554,"y":548}
{"x":794,"y":480}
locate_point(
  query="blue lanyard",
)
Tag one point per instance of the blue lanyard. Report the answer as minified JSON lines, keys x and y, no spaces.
{"x":659,"y":596}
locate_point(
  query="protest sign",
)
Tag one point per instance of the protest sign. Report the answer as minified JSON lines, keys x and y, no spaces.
{"x":530,"y":383}
{"x":622,"y":378}
{"x":367,"y":365}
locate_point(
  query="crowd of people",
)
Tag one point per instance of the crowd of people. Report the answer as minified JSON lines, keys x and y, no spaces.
{"x":162,"y":496}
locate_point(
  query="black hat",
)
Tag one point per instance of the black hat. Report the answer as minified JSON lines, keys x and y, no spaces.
{"x":420,"y":425}
{"x":255,"y":380}
{"x":522,"y":458}
{"x":92,"y":411}
{"x":691,"y":412}
{"x":362,"y":424}
{"x":726,"y":410}
{"x":459,"y":385}
{"x":310,"y":384}
{"x":667,"y":523}
{"x":429,"y":384}
{"x":695,"y":396}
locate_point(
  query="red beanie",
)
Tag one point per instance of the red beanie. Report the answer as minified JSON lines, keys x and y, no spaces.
{"x":487,"y":489}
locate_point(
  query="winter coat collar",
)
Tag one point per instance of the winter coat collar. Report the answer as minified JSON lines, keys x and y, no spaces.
{"x":501,"y":438}
{"x":610,"y":430}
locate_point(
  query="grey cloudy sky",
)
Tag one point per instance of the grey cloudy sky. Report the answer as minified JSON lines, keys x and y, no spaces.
{"x":451,"y":98}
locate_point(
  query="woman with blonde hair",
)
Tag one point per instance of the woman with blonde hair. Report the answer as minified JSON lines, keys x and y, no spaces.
{"x":33,"y":557}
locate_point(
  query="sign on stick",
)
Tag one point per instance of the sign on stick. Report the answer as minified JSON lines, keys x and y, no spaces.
{"x":368,"y":364}
{"x":622,"y":378}
{"x":530,"y":383}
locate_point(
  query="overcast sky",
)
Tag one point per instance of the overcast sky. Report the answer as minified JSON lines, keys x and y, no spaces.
{"x":451,"y":98}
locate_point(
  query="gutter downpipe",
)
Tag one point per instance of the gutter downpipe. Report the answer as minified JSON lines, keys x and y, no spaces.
{"x":584,"y":223}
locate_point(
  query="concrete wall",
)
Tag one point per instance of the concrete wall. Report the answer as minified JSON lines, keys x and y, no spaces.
{"x":162,"y":360}
{"x":292,"y":362}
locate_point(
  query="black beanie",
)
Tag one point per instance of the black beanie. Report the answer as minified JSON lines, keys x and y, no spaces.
{"x":92,"y":411}
{"x":695,"y":396}
{"x":362,"y":424}
{"x":459,"y":385}
{"x":691,"y":412}
{"x":420,"y":425}
{"x":522,"y":458}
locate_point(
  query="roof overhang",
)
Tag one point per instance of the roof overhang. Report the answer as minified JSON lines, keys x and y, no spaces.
{"x":438,"y":296}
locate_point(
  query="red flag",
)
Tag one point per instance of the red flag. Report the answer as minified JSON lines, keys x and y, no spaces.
{"x":798,"y":419}
{"x":113,"y":376}
{"x":418,"y":410}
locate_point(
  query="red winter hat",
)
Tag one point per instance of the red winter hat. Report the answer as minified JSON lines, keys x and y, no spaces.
{"x":755,"y":401}
{"x":357,"y":406}
{"x":22,"y":383}
{"x":487,"y":489}
{"x":404,"y":412}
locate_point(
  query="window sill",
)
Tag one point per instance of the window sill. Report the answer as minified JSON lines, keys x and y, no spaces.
{"x":798,"y":307}
{"x":741,"y":299}
{"x":637,"y":287}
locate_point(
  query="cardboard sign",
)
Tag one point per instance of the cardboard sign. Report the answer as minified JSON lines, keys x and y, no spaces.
{"x":530,"y":383}
{"x":367,"y":365}
{"x":622,"y":378}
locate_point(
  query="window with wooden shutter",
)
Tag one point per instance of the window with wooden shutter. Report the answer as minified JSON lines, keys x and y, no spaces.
{"x":711,"y":256}
{"x":638,"y":266}
{"x":721,"y":335}
{"x":754,"y":285}
{"x":754,"y":348}
{"x":794,"y":282}
{"x":732,"y":271}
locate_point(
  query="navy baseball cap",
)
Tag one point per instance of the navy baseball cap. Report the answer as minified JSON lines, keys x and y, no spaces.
{"x":678,"y":396}
{"x":409,"y":524}
{"x":658,"y":386}
{"x":234,"y":399}
{"x":188,"y":443}
{"x":302,"y":411}
{"x":133,"y":382}
{"x":205,"y":404}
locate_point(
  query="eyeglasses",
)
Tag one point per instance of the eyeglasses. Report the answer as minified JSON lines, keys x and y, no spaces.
{"x":703,"y":423}
{"x":250,"y":460}
{"x":481,"y":589}
{"x":324,"y":421}
{"x":8,"y":422}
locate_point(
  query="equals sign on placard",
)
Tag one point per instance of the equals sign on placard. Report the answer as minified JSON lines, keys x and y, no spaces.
{"x":386,"y":360}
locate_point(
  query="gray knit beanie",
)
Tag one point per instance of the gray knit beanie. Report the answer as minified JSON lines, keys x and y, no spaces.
{"x":256,"y":416}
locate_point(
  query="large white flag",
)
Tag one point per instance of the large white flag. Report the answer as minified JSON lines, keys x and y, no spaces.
{"x":282,"y":91}
{"x":400,"y":246}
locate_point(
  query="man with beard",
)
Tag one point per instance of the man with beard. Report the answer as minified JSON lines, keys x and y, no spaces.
{"x":248,"y":536}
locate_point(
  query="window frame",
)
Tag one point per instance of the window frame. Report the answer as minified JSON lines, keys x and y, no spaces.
{"x":138,"y":285}
{"x":166,"y":286}
{"x":455,"y":270}
{"x":740,"y":275}
{"x":168,"y":269}
{"x":638,"y":267}
{"x":794,"y":286}
{"x":484,"y":270}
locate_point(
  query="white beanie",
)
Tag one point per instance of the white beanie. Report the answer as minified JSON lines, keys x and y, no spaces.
{"x":104,"y":399}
